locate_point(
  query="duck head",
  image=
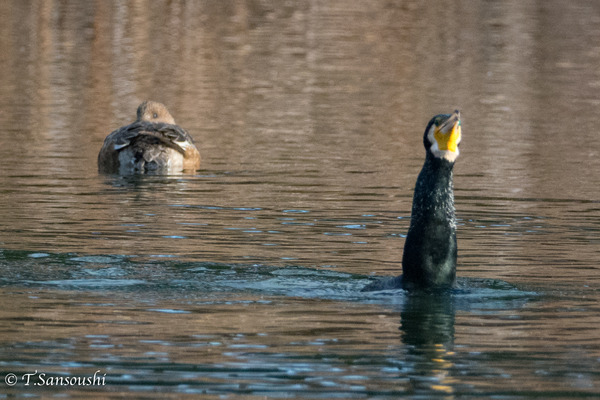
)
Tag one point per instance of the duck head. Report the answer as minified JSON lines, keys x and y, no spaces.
{"x":151,"y":111}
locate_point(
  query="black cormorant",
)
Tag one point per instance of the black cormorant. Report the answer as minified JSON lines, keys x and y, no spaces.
{"x":429,"y":259}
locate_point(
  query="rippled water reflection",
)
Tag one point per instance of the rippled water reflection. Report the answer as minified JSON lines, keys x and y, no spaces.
{"x":242,"y":280}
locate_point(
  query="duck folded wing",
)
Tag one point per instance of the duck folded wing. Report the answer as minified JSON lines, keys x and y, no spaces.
{"x":146,"y":146}
{"x":167,"y":134}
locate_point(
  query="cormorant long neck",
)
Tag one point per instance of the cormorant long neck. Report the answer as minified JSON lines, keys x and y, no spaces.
{"x":430,"y":251}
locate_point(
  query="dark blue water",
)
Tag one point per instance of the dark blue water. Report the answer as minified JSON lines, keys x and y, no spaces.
{"x":227,"y":329}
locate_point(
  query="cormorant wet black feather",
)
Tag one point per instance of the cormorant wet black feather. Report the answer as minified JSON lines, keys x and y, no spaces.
{"x":430,"y":250}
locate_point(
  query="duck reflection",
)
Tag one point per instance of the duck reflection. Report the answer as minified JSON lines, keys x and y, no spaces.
{"x":427,"y":328}
{"x":145,"y":182}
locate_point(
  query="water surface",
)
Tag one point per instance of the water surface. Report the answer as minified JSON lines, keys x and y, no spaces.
{"x":243,"y":279}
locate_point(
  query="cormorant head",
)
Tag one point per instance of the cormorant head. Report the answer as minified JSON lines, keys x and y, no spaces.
{"x":152,"y":111}
{"x":442,"y":136}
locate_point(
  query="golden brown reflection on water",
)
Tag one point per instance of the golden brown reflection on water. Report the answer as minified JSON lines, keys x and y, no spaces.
{"x":309,"y":117}
{"x":310,"y":106}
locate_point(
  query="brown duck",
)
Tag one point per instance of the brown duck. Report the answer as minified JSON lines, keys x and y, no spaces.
{"x":151,"y":144}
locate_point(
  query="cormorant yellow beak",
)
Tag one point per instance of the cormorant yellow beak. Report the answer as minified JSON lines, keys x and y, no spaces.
{"x":448,"y":134}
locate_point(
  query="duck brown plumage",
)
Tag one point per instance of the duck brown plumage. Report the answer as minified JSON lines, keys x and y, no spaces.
{"x":153,"y":143}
